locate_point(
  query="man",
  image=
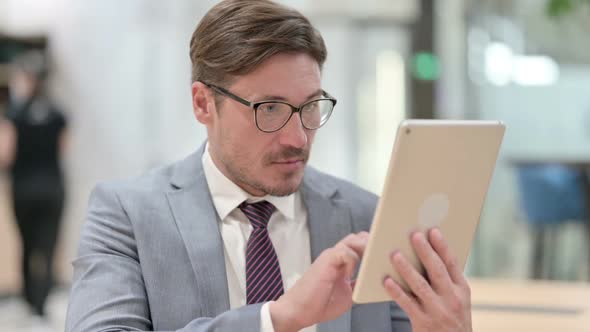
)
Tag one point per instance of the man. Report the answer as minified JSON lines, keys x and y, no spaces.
{"x":242,"y":235}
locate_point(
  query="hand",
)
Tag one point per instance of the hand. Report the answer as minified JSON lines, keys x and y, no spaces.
{"x":444,"y":303}
{"x":324,"y":292}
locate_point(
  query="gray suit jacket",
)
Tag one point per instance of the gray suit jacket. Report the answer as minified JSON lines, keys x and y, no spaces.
{"x":151,"y":255}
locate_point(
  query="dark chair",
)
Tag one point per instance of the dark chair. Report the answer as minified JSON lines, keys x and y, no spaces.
{"x":550,"y":195}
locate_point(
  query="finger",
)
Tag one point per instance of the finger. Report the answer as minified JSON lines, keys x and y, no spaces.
{"x":356,"y":242}
{"x":419,"y":286}
{"x":435,"y":268}
{"x":348,"y":258}
{"x":407,"y":302}
{"x":440,"y":245}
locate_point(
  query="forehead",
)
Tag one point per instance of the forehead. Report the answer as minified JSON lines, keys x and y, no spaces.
{"x":293,"y":76}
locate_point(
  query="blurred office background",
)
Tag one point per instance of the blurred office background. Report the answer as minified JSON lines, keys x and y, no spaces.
{"x":121,"y":71}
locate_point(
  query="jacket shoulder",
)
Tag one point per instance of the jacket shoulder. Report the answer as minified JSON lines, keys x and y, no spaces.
{"x":154,"y":180}
{"x":361,"y":202}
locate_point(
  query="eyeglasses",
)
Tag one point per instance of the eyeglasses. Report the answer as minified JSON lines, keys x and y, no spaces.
{"x":272,"y":115}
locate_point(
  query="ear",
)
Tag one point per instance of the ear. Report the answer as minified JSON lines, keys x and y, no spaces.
{"x":203,"y":103}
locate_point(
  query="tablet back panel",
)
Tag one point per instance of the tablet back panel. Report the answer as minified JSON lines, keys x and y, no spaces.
{"x":438,"y":175}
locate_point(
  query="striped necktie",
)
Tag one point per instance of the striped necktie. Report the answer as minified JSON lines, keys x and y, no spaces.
{"x":263,"y":273}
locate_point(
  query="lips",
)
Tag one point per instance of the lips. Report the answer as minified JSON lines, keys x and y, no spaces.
{"x":290,"y":165}
{"x":288,"y":160}
{"x":292,"y":161}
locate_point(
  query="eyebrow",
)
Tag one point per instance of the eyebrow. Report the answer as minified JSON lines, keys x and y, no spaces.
{"x":318,"y":92}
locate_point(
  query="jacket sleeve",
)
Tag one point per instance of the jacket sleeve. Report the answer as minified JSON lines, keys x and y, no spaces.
{"x":108,"y":291}
{"x":399,"y":319}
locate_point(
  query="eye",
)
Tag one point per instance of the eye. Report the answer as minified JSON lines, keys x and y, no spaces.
{"x":269,"y":108}
{"x":311,"y":107}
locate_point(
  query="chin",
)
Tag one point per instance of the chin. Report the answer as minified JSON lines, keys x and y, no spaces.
{"x":285,"y":188}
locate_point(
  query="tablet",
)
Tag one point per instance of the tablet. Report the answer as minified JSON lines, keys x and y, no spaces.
{"x":438,"y":176}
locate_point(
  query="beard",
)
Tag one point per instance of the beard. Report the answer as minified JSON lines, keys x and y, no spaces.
{"x":289,"y":184}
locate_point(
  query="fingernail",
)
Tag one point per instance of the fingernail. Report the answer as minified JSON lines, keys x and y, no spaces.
{"x":435,"y":232}
{"x":391,"y":287}
{"x":417,"y":236}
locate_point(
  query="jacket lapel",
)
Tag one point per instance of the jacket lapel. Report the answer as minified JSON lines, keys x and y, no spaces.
{"x":329,"y":221}
{"x":197,"y":223}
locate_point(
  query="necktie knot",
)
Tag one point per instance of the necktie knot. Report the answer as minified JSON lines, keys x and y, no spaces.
{"x":258,"y":213}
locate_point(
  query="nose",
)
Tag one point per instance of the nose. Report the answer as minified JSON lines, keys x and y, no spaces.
{"x":293,"y":133}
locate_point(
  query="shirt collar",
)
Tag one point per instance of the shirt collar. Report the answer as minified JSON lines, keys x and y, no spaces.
{"x":227,"y":195}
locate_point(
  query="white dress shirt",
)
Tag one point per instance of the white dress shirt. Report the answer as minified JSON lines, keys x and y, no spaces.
{"x":287,"y":229}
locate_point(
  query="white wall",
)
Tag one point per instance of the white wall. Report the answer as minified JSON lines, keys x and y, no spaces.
{"x":548,"y":120}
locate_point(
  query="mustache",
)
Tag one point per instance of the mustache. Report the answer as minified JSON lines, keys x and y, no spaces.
{"x":288,"y":153}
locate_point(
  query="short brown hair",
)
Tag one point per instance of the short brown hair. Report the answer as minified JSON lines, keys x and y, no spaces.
{"x":236,"y":36}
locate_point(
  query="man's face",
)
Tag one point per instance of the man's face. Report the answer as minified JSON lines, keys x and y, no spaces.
{"x":265,"y":163}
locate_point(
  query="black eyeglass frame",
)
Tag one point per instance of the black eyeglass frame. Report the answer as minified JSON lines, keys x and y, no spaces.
{"x":294,"y":109}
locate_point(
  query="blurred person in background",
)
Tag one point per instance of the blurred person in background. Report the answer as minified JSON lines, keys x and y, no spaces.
{"x":32,"y":141}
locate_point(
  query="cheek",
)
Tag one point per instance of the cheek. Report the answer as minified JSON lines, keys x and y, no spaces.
{"x":247,"y":146}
